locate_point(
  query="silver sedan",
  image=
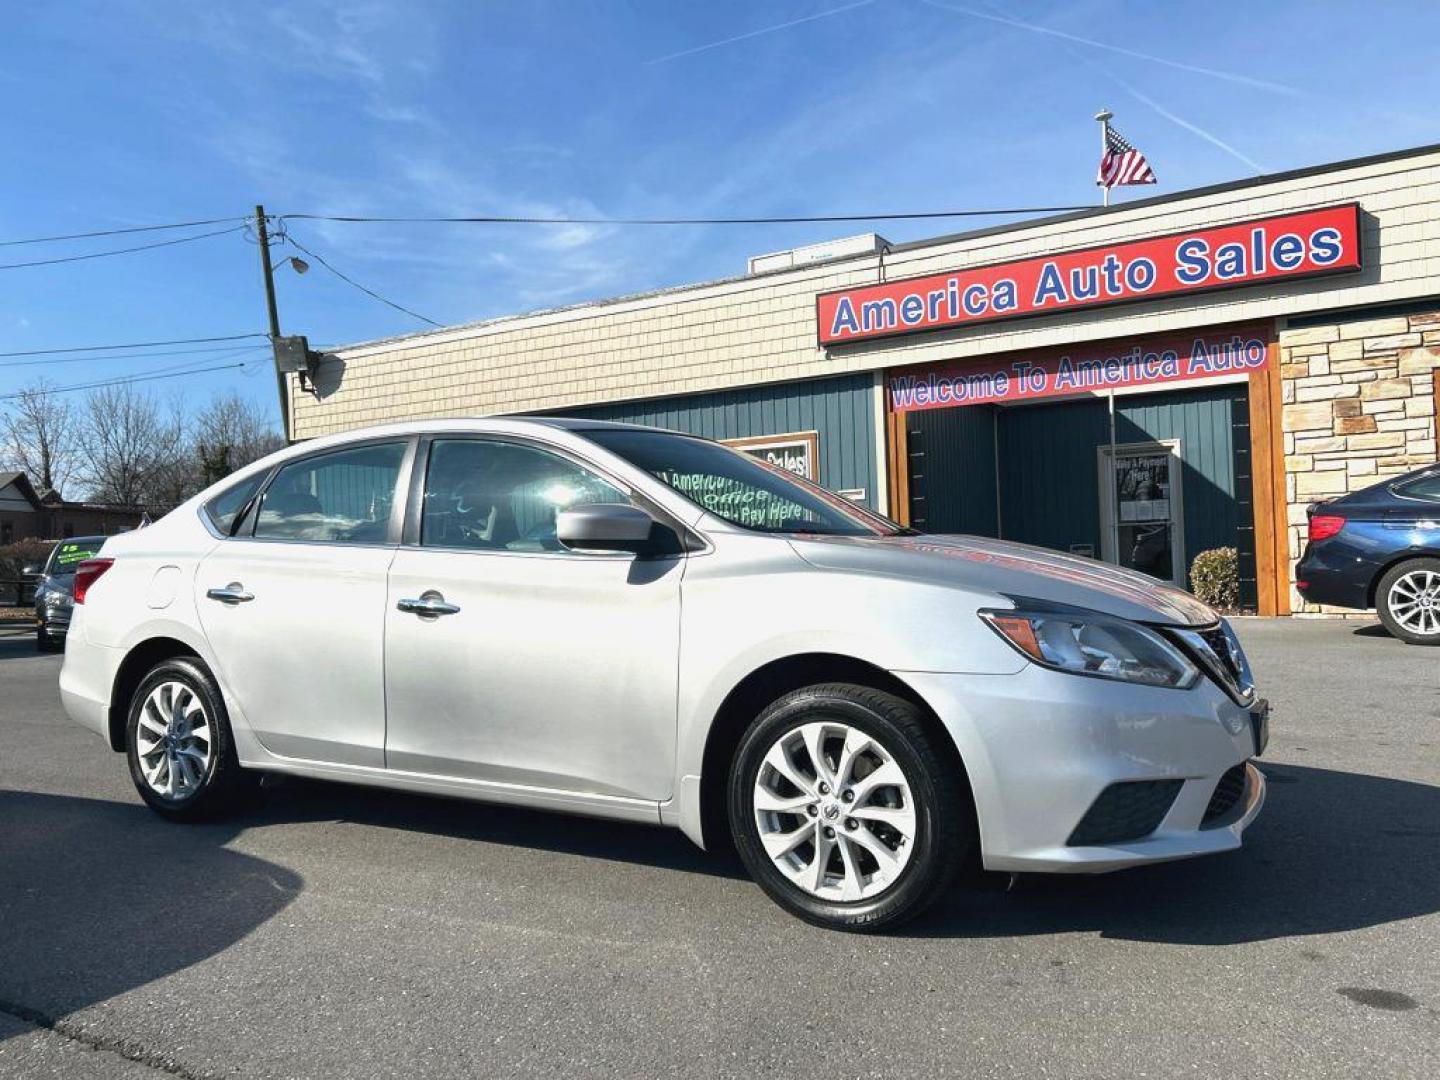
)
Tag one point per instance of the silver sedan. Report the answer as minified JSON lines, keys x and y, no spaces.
{"x":636,"y":624}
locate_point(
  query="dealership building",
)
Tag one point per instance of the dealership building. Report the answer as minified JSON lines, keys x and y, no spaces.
{"x":1138,"y":383}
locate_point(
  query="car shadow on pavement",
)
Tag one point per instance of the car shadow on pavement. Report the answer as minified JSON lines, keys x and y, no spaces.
{"x":1372,"y":629}
{"x":291,"y":799}
{"x":98,"y":898}
{"x":1331,"y":851}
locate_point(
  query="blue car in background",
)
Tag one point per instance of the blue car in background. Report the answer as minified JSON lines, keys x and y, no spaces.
{"x":1380,"y":548}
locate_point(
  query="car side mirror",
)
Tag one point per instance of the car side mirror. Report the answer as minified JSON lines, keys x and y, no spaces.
{"x":32,"y":570}
{"x":605,"y":527}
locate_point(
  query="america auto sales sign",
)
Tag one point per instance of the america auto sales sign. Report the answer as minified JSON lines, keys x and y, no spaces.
{"x":1280,"y":248}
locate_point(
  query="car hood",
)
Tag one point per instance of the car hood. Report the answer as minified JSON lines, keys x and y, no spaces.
{"x":1012,"y":571}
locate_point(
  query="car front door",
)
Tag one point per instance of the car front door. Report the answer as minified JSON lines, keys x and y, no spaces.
{"x":295,"y":609}
{"x":512,"y":660}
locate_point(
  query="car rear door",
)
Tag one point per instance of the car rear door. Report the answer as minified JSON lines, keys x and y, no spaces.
{"x":294,"y":608}
{"x":512,"y":660}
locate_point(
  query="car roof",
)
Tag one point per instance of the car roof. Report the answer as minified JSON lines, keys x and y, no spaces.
{"x":576,"y":423}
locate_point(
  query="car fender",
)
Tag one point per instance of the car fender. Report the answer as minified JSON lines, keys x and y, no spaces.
{"x":730,"y":629}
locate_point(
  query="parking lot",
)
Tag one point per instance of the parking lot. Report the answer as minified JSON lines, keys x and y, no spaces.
{"x":338,"y":932}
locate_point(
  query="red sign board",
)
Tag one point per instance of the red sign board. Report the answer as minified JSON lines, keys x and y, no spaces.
{"x":1100,"y":366}
{"x":1304,"y":244}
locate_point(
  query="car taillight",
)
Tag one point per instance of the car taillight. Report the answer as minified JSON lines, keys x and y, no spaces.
{"x":1324,"y":526}
{"x":87,"y":573}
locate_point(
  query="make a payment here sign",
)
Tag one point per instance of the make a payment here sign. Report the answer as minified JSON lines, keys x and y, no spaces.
{"x":1276,"y":248}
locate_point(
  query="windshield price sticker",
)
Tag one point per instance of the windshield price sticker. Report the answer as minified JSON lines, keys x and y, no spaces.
{"x":70,"y":554}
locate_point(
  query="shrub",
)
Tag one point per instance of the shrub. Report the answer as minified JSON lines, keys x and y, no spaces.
{"x":15,"y":557}
{"x":1215,"y":578}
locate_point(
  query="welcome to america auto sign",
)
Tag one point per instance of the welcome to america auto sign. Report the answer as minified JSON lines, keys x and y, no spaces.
{"x":1092,"y":368}
{"x":1286,"y":246}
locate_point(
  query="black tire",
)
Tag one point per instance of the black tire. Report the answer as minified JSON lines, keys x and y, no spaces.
{"x":44,"y":642}
{"x":1383,"y":601}
{"x":944,"y":821}
{"x":223,"y":784}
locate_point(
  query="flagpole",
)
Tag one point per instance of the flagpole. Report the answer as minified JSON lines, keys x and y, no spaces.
{"x":1104,"y":116}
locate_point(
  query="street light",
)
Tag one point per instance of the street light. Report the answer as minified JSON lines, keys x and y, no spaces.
{"x":297,"y":264}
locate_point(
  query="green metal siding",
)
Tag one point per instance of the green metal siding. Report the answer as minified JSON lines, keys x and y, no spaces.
{"x":1049,"y":484}
{"x":841,"y":410}
{"x":952,"y":470}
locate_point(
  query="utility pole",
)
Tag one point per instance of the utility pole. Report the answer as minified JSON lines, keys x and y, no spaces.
{"x":281,"y":387}
{"x":264,"y":233}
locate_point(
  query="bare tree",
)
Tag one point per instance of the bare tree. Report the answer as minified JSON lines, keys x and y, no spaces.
{"x":38,"y":434}
{"x":230,"y":433}
{"x":131,"y":451}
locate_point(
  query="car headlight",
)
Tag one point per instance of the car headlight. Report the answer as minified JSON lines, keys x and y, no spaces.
{"x":1085,"y":643}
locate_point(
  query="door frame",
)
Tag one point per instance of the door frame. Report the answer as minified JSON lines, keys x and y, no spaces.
{"x":1177,"y":501}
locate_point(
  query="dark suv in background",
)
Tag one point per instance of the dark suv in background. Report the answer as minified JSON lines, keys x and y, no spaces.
{"x":1380,"y":548}
{"x":54,"y":592}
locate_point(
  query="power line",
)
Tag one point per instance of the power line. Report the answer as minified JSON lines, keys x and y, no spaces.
{"x":46,"y":392}
{"x":120,"y":232}
{"x":230,"y":350}
{"x":120,"y":251}
{"x":794,"y":220}
{"x":369,"y":292}
{"x":135,"y":345}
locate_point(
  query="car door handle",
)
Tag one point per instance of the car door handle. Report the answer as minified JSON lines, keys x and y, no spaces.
{"x":232,"y":594}
{"x":429,"y":605}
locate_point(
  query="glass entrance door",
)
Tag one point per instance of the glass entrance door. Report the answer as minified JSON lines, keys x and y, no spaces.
{"x":1142,"y":527}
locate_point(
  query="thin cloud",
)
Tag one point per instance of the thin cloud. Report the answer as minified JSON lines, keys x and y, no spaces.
{"x":1194,"y":69}
{"x":1180,"y":121}
{"x":757,"y":33}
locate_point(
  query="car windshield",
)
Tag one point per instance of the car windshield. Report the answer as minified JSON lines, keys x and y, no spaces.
{"x":69,"y":554}
{"x":741,"y":489}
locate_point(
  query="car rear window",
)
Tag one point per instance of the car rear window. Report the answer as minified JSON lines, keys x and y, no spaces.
{"x":1427,"y":488}
{"x":223,"y":508}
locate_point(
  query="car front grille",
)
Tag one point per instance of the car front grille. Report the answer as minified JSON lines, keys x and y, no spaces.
{"x":1228,"y":793}
{"x":1211,"y":647}
{"x":1129,"y":810}
{"x":1215,"y":638}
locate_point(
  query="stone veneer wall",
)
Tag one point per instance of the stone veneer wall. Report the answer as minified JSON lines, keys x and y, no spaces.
{"x":1359,"y":405}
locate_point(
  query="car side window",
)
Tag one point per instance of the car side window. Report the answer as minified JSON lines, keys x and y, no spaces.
{"x":1427,"y":488}
{"x":222,"y":509}
{"x":341,"y":497}
{"x":489,"y":495}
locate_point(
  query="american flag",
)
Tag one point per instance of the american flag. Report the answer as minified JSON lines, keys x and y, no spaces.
{"x":1122,"y":163}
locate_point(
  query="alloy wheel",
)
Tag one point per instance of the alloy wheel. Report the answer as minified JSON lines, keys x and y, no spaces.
{"x":1414,"y":602}
{"x":835,"y":811}
{"x":173,"y":741}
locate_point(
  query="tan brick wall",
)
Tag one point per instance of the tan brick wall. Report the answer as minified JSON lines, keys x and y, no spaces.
{"x":762,"y":329}
{"x":1359,"y":405}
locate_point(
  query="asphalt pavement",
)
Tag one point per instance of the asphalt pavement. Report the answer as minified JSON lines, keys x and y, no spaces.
{"x":336,"y":932}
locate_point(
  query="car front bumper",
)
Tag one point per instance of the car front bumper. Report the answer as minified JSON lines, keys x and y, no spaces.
{"x":1040,"y":747}
{"x":55,"y":621}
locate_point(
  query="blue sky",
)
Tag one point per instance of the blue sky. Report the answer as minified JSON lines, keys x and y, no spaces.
{"x":133,"y":113}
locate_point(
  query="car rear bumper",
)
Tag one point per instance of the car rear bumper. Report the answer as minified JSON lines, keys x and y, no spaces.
{"x":86,"y":678}
{"x":1044,"y":750}
{"x":1326,"y":575}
